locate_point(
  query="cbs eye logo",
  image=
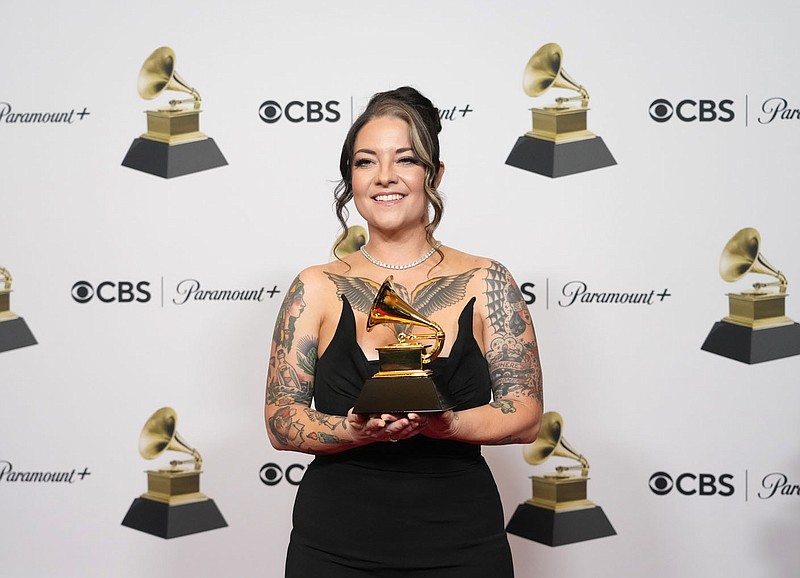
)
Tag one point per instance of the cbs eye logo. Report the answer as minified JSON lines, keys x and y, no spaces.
{"x":272,"y":474}
{"x":661,"y":484}
{"x":296,"y":111}
{"x":688,"y":110}
{"x":111,"y":292}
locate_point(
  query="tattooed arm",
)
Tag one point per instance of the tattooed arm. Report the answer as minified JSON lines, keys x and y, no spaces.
{"x":291,"y":422}
{"x":515,"y":413}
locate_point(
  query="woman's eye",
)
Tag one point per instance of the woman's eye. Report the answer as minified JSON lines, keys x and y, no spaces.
{"x":408,"y":161}
{"x":362,"y":162}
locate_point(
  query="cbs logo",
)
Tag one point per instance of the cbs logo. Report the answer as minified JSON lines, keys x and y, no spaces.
{"x":271,"y":111}
{"x":527,"y":291}
{"x":110,"y":292}
{"x":271,"y":474}
{"x":661,"y":483}
{"x":661,"y":110}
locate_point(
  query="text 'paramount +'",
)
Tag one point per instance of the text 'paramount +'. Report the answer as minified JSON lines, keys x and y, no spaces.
{"x":191,"y":290}
{"x":9,"y":116}
{"x":578,"y":292}
{"x":9,"y":474}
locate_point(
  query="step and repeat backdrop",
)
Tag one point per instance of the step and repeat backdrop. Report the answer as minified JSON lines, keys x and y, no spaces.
{"x":145,"y":247}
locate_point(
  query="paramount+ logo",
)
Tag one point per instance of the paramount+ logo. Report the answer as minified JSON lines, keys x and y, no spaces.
{"x":690,"y":484}
{"x":297,"y":111}
{"x":690,"y":110}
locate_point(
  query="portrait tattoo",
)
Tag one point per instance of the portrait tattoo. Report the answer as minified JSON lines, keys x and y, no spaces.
{"x":292,"y":307}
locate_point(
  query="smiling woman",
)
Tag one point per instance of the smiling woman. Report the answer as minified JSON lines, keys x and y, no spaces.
{"x":388,"y":180}
{"x":400,"y":493}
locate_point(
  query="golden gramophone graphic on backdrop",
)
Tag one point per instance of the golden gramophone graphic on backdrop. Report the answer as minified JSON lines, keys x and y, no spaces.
{"x":559,"y":512}
{"x":756,"y":328}
{"x":173,"y":144}
{"x":402,"y":384}
{"x":14,"y":332}
{"x":559,"y":143}
{"x":173,"y":504}
{"x":355,"y":239}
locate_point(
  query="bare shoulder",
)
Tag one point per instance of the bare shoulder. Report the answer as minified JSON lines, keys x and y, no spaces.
{"x":316,"y":283}
{"x":492,"y":283}
{"x":459,"y":260}
{"x":486,"y":270}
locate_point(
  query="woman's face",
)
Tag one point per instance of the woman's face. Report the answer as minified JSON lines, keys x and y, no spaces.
{"x":388,"y":179}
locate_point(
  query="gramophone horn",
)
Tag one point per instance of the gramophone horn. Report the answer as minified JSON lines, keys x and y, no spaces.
{"x":158,"y":74}
{"x":545,"y":71}
{"x":5,"y":277}
{"x":741,"y":255}
{"x":159,"y":434}
{"x":551,"y":442}
{"x":355,"y":239}
{"x":389,"y":307}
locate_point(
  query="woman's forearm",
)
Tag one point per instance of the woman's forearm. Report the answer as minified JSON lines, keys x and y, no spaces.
{"x":297,"y":427}
{"x":497,"y":423}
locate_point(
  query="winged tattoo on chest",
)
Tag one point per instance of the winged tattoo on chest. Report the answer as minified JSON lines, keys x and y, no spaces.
{"x":426,"y":298}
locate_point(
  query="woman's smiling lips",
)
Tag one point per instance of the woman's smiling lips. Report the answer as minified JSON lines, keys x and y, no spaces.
{"x":388,"y":197}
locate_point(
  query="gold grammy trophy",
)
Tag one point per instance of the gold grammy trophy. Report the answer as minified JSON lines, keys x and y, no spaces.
{"x":173,"y":504}
{"x":173,"y":144}
{"x":402,"y":385}
{"x":756,"y":328}
{"x":558,"y":513}
{"x":14,"y":332}
{"x":559,"y":143}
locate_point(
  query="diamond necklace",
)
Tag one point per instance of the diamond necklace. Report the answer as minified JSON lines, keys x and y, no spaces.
{"x":425,"y":257}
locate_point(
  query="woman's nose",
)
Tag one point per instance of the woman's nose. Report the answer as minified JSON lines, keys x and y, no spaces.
{"x":386,"y":174}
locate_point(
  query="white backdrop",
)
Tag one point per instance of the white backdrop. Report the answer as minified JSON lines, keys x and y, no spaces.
{"x":637,"y":394}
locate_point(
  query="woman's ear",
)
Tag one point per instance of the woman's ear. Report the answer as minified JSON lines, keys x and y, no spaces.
{"x":439,"y":175}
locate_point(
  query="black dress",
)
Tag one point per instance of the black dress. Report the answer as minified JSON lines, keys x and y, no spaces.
{"x":418,"y":507}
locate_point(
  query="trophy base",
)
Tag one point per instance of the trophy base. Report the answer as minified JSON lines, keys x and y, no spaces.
{"x":165,"y":521}
{"x":753,"y":345}
{"x":417,"y":394}
{"x":14,"y":333}
{"x":554,"y":528}
{"x":167,"y":161}
{"x":553,"y":159}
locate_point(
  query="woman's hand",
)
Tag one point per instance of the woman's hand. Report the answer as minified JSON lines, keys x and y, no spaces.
{"x":385,"y":427}
{"x":440,"y":425}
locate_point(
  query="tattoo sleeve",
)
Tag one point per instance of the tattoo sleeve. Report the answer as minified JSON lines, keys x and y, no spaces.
{"x":292,"y":422}
{"x":512,"y":353}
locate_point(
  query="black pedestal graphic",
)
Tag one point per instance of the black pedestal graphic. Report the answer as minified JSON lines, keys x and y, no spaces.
{"x":753,"y":346}
{"x":558,"y":528}
{"x":167,"y":521}
{"x":163,"y":160}
{"x":401,"y":395}
{"x":14,"y":333}
{"x":559,"y":159}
